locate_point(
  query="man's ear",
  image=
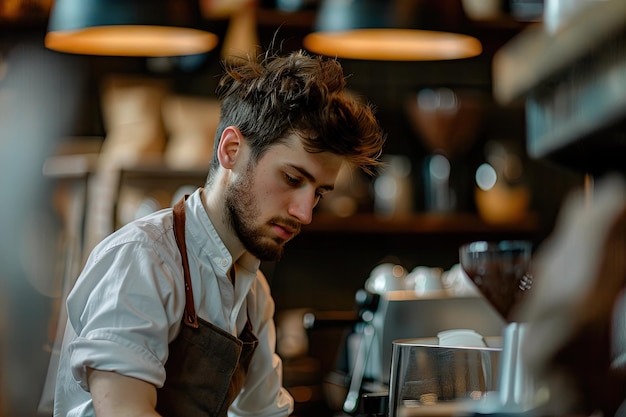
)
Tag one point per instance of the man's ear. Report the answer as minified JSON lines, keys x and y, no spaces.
{"x":230,"y":146}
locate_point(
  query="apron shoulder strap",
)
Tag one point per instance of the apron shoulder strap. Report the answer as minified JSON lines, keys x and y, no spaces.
{"x":189,"y":317}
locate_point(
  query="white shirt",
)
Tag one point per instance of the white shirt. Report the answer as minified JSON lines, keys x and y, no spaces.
{"x":127,"y":306}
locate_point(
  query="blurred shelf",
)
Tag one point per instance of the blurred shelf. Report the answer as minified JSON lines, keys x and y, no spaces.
{"x":418,"y":223}
{"x":573,"y":82}
{"x":537,"y":54}
{"x":70,"y":166}
{"x":155,"y":176}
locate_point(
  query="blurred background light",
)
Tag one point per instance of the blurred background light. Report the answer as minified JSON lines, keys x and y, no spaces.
{"x":375,"y":30}
{"x":128,"y":28}
{"x":486,"y":177}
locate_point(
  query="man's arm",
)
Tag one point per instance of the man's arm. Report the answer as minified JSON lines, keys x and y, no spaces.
{"x":116,"y":395}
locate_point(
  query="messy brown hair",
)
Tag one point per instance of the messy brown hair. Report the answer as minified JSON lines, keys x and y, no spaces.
{"x":270,"y":96}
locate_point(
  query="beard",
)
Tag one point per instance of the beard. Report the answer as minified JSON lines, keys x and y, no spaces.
{"x":242,"y":210}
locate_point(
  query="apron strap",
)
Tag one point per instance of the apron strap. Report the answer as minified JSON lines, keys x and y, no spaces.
{"x":189,"y":317}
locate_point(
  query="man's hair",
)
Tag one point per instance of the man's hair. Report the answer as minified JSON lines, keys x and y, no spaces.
{"x":269,"y":97}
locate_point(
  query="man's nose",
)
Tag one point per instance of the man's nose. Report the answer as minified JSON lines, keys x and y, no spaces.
{"x":302,"y":205}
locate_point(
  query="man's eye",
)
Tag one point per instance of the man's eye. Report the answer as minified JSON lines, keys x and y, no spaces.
{"x":292,"y":180}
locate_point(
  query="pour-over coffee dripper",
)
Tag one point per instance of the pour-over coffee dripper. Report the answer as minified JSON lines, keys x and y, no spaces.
{"x":500,"y":271}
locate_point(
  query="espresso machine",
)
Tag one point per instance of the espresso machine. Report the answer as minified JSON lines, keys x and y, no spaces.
{"x":400,"y":310}
{"x":431,"y":337}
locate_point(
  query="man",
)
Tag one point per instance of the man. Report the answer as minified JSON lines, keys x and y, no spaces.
{"x":171,"y":315}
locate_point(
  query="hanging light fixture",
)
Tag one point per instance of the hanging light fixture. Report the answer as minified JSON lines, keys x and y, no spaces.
{"x":150,"y":28}
{"x":368,"y":30}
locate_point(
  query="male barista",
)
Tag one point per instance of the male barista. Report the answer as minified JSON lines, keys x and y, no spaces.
{"x":171,"y":315}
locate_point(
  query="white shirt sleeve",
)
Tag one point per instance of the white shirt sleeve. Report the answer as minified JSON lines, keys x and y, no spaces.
{"x":124,"y":309}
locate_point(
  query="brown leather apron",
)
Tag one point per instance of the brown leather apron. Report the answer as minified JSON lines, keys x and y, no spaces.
{"x":206,"y":366}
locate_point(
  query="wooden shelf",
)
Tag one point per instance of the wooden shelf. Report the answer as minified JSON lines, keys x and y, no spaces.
{"x":425,"y":223}
{"x":70,"y":166}
{"x":153,"y":176}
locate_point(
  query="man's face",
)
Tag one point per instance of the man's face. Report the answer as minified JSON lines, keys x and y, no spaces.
{"x":268,"y":203}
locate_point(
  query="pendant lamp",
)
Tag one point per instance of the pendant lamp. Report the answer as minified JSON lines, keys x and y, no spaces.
{"x":149,"y":28}
{"x":369,"y":30}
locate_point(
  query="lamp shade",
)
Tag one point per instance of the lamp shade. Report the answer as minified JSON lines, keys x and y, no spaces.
{"x":340,"y":15}
{"x":370,"y":30}
{"x":128,"y":28}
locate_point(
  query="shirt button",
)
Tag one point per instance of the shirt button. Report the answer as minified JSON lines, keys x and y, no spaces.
{"x":224,"y":262}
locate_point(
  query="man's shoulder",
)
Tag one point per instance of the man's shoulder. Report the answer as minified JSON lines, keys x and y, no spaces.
{"x":155,"y":229}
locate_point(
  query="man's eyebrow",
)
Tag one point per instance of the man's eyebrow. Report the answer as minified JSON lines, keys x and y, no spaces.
{"x":311,"y":178}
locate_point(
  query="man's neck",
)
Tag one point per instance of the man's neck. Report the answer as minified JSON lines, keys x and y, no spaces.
{"x":213,"y":203}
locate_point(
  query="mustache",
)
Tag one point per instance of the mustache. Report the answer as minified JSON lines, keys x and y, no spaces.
{"x":290,"y":223}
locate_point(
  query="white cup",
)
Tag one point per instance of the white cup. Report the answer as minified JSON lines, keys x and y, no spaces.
{"x":386,"y":277}
{"x":425,"y":279}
